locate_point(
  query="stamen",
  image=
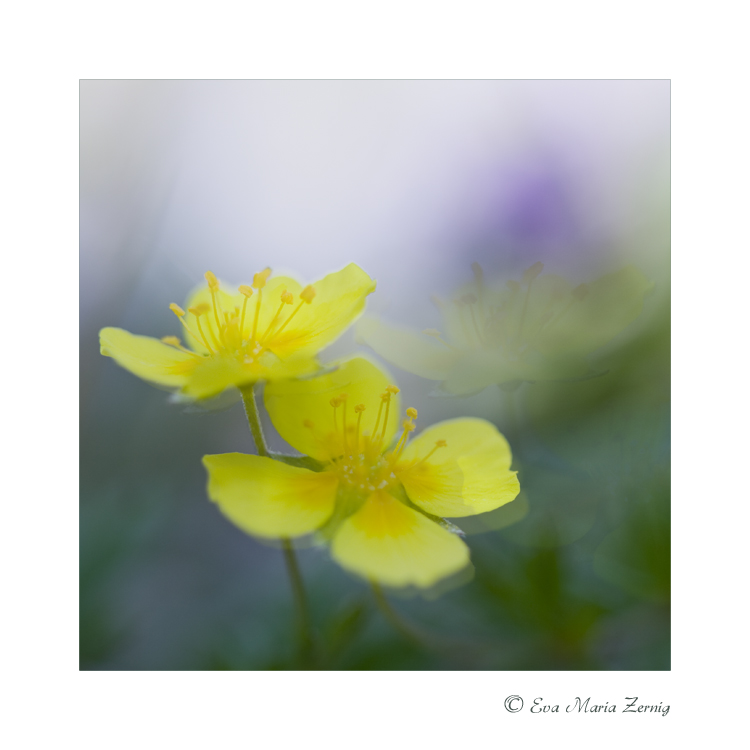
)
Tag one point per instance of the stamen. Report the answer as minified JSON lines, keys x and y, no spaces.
{"x":213,"y":286}
{"x":203,"y":336}
{"x":177,"y":344}
{"x":260,"y":278}
{"x":307,"y":294}
{"x":390,"y":390}
{"x":335,"y":403}
{"x":180,"y":313}
{"x":408,"y":426}
{"x":199,"y":310}
{"x":532,"y":272}
{"x":411,"y":412}
{"x":434,"y":333}
{"x":438,"y":444}
{"x":580,"y":292}
{"x":358,"y":409}
{"x":476,"y":325}
{"x":247,"y":291}
{"x":343,"y":397}
{"x":286,"y":299}
{"x":257,"y":309}
{"x":383,"y":398}
{"x":294,"y":312}
{"x":213,"y":282}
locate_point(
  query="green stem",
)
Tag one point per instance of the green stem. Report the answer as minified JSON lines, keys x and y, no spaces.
{"x":304,"y":623}
{"x":453,"y":648}
{"x":298,"y":589}
{"x":391,"y":615}
{"x":253,"y":418}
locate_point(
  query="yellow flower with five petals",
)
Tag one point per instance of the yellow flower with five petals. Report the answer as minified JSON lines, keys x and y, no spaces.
{"x":268,"y":331}
{"x":541,"y":328}
{"x":380,"y":504}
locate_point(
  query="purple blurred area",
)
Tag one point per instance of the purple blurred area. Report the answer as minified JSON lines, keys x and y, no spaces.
{"x":413,"y":180}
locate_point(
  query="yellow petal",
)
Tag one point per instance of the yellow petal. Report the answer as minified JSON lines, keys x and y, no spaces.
{"x":339,"y":300}
{"x":213,"y":374}
{"x":471,"y":474}
{"x":601,"y":310}
{"x":293,"y":403}
{"x":477,"y":369}
{"x":269,"y":498}
{"x":146,"y":357}
{"x":389,"y":543}
{"x":413,"y":352}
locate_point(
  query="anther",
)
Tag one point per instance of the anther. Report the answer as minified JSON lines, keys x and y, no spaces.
{"x":408,"y":425}
{"x":392,"y":389}
{"x":359,"y":408}
{"x":342,"y":397}
{"x":307,"y":294}
{"x":411,"y":412}
{"x":171,"y":340}
{"x":287,"y":297}
{"x":246,"y":290}
{"x":335,"y":401}
{"x":308,"y":424}
{"x":532,"y":272}
{"x":432,"y":332}
{"x":260,"y":278}
{"x":177,"y":310}
{"x":441,"y":443}
{"x":580,"y":291}
{"x":213,"y":282}
{"x":198,"y":310}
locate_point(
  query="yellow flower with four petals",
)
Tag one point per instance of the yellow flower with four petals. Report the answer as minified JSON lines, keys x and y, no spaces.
{"x":268,"y":331}
{"x":380,"y":504}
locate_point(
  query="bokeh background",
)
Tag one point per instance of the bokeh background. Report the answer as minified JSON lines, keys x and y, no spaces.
{"x":414,"y":181}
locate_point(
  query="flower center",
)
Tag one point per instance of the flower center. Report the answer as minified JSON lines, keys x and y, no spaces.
{"x":237,"y":332}
{"x":360,"y":457}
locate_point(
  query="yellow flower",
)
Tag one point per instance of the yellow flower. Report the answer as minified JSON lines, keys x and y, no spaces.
{"x":268,"y":331}
{"x":381,"y":505}
{"x":541,"y":328}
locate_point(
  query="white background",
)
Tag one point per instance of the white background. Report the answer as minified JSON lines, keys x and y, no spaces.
{"x":47,"y":49}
